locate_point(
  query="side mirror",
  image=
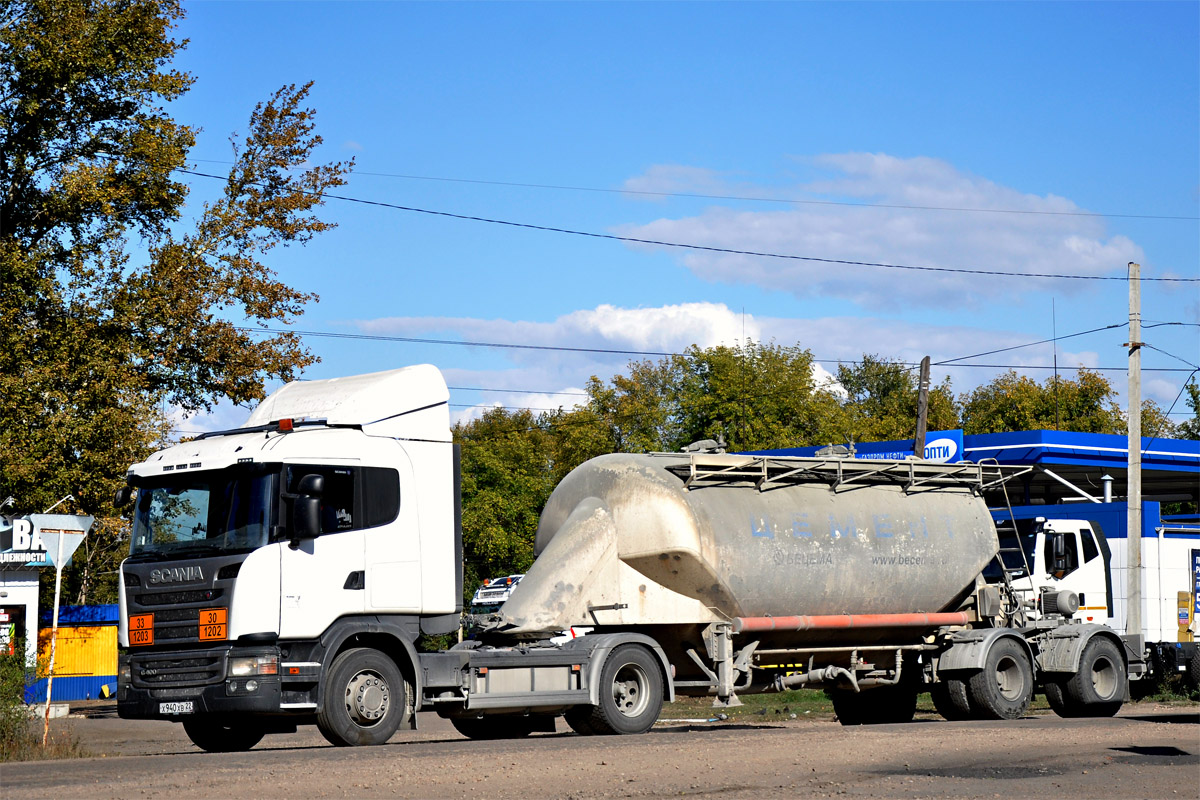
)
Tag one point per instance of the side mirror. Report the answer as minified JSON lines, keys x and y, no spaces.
{"x":311,"y":484}
{"x":306,"y":508}
{"x":306,"y":518}
{"x":1058,"y":550}
{"x":123,"y":496}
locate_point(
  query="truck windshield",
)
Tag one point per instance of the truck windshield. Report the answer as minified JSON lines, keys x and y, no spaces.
{"x":226,"y":511}
{"x":1024,"y":537}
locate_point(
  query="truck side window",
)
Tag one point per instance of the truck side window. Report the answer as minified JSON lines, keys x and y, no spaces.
{"x":337,"y":503}
{"x":1071,"y":544}
{"x":1089,"y":545}
{"x":381,"y":495}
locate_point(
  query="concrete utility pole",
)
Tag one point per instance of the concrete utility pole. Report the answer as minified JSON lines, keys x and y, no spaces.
{"x":922,"y":409}
{"x":1133,"y":612}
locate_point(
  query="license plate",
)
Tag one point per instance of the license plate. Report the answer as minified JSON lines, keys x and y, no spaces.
{"x":214,"y":624}
{"x":141,"y":629}
{"x":184,"y":707}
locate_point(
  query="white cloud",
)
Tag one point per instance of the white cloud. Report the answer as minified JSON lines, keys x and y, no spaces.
{"x":1033,"y":242}
{"x":665,"y":329}
{"x":673,"y":328}
{"x":665,"y":179}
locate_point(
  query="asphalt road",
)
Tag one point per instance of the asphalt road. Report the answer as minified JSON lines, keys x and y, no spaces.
{"x":1146,"y":752}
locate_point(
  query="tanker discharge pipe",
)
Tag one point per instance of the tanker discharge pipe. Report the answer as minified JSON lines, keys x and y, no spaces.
{"x":843,"y":621}
{"x":831,"y":674}
{"x":827,"y":675}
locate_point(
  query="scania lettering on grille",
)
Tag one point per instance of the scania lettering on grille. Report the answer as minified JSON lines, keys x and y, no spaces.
{"x":176,"y":575}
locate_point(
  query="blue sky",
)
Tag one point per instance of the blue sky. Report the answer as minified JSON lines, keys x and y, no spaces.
{"x":1086,"y":114}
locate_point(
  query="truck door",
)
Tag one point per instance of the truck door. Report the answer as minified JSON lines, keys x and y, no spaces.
{"x":321,"y":579}
{"x":1084,"y":571}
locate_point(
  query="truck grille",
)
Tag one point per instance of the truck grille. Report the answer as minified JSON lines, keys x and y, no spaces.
{"x":177,"y":670}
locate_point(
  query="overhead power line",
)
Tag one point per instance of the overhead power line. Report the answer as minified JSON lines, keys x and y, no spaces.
{"x":710,"y":249}
{"x":752,"y":199}
{"x":607,"y":351}
{"x":1029,"y":344}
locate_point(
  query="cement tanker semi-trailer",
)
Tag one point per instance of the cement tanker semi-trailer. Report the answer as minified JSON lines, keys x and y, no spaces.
{"x":281,"y":574}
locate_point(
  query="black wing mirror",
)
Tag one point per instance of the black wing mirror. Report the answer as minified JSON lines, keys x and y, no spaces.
{"x":306,"y":509}
{"x":1058,"y":551}
{"x":123,"y":496}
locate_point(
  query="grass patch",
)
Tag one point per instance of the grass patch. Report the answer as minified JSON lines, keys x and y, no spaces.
{"x":20,"y":735}
{"x":808,"y":703}
{"x":23,"y":742}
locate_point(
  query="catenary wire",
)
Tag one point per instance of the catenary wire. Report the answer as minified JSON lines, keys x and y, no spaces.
{"x":606,"y":351}
{"x":778,"y":200}
{"x":710,"y":249}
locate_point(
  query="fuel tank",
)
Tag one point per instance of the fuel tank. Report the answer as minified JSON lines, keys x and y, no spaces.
{"x":624,"y":540}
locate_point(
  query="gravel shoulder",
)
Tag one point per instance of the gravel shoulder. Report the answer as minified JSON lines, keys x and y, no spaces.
{"x":1149,"y":750}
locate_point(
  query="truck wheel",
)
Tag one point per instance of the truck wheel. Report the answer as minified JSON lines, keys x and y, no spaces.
{"x":1193,"y":670}
{"x":950,"y":699}
{"x":498,"y":727}
{"x":886,"y":705}
{"x":631,"y":692}
{"x":1004,"y":687}
{"x":223,"y":735}
{"x":365,"y":699}
{"x":579,"y":718}
{"x":1096,"y":689}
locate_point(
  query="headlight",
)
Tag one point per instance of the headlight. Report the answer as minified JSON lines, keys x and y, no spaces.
{"x":253,"y":665}
{"x":124,"y":673}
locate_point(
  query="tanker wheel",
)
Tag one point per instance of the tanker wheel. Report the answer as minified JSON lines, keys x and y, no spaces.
{"x":631,"y":692}
{"x":1193,"y":671}
{"x":1096,"y":690}
{"x":223,"y":735}
{"x":1004,"y":687}
{"x":579,"y":718}
{"x":365,"y":699}
{"x":950,"y":699}
{"x":883,"y":706}
{"x":497,"y":727}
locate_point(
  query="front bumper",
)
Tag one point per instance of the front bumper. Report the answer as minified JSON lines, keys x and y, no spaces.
{"x":150,"y":681}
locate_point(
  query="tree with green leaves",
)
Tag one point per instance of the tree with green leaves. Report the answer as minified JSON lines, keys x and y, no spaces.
{"x":881,"y":401}
{"x":115,"y":305}
{"x":1190,"y":428}
{"x":752,"y":395}
{"x":1087,"y":404}
{"x":506,"y":480}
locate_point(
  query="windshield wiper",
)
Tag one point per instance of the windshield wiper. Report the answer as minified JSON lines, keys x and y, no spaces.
{"x":193,"y":548}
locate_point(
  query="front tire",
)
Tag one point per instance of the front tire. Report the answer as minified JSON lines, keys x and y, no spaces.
{"x":365,"y":700}
{"x":631,"y":692}
{"x":1003,"y":689}
{"x":223,"y":735}
{"x":1096,"y":690}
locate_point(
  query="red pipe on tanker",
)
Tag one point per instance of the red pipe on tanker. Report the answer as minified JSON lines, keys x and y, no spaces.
{"x":835,"y":621}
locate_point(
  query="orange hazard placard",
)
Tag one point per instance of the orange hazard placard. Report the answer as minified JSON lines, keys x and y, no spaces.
{"x":214,"y":624}
{"x":141,"y":630}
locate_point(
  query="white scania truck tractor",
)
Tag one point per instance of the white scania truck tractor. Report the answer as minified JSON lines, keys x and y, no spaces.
{"x":281,"y":573}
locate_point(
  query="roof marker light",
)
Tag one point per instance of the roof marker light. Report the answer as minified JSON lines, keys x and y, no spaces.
{"x":285,"y":425}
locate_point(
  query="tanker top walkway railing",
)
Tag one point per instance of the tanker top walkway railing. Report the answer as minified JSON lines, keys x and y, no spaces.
{"x":766,"y":472}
